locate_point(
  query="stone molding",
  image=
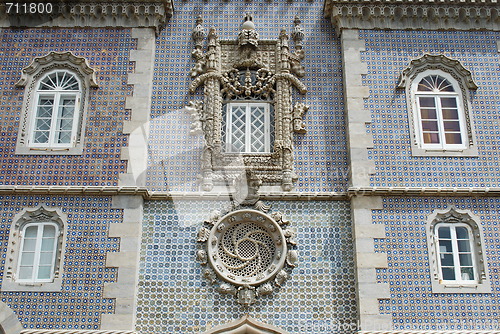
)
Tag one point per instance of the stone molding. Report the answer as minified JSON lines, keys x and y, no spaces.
{"x":9,"y":323}
{"x":367,"y":261}
{"x":458,"y":331}
{"x":95,"y":13}
{"x":244,"y":325}
{"x":70,"y":331}
{"x":127,"y":263}
{"x":357,"y":116}
{"x":414,"y":14}
{"x":264,"y":195}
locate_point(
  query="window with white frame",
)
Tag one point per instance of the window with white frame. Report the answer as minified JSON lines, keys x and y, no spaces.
{"x":57,"y":88}
{"x":35,"y":251}
{"x":440,"y":91}
{"x":246,"y":127}
{"x":456,"y":252}
{"x":55,"y":113}
{"x":440,"y":114}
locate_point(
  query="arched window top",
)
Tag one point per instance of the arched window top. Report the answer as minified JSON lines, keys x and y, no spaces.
{"x":59,"y":80}
{"x":435,"y":84}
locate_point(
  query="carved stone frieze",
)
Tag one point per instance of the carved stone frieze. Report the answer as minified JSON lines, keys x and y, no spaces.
{"x":93,"y":13}
{"x":414,"y":14}
{"x":248,"y":70}
{"x":247,"y":253}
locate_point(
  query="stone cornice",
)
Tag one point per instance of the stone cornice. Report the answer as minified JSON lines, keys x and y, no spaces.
{"x":148,"y":194}
{"x":424,"y":191}
{"x":94,"y":13}
{"x":414,"y":14}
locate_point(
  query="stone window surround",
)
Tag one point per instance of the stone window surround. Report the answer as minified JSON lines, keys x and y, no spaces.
{"x":451,"y":69}
{"x":27,"y":216}
{"x":30,"y":78}
{"x":453,"y":215}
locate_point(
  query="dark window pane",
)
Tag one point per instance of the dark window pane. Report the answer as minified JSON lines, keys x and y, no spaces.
{"x":464,"y":246}
{"x":445,"y":246}
{"x":449,"y":102}
{"x":444,"y":232}
{"x":453,"y":138}
{"x":448,"y":274}
{"x":447,"y":260}
{"x":427,"y":102}
{"x":429,"y":126}
{"x":431,"y":138}
{"x":466,"y":259}
{"x":462,"y":232}
{"x":428,"y":113}
{"x":452,"y":126}
{"x":450,"y":114}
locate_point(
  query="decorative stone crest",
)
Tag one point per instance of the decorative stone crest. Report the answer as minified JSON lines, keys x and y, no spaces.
{"x":247,"y":253}
{"x":247,"y":70}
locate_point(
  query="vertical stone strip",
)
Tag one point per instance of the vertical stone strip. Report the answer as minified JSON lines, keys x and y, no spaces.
{"x":9,"y":323}
{"x":357,"y":117}
{"x":129,"y":231}
{"x":140,"y":109}
{"x":369,"y":292}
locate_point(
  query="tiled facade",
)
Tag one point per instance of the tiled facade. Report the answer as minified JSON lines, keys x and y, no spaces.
{"x":171,"y":282}
{"x":360,"y":205}
{"x":412,"y":305}
{"x":80,"y":303}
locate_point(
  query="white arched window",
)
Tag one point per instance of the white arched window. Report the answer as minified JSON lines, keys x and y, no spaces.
{"x":456,"y":252}
{"x":55,"y":114}
{"x":37,"y":254}
{"x":439,"y":91}
{"x":439,"y":110}
{"x":56,"y":97}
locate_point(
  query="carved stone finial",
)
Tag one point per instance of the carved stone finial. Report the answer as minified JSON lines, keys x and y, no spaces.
{"x":248,"y":36}
{"x":299,"y":109}
{"x":198,"y":34}
{"x":298,"y":33}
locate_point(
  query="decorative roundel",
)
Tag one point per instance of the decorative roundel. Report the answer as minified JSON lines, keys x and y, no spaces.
{"x":247,"y":247}
{"x":247,"y":252}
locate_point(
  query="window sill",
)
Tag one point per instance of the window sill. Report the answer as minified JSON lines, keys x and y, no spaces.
{"x":24,"y":150}
{"x":11,"y":285}
{"x":483,"y":287}
{"x":426,"y":152}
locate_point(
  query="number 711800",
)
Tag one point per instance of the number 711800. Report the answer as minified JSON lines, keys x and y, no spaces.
{"x":28,"y":8}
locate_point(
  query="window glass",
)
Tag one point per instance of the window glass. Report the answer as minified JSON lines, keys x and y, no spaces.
{"x":38,"y":251}
{"x":56,"y":110}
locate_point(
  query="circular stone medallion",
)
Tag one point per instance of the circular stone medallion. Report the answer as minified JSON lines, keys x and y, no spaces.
{"x":247,"y":247}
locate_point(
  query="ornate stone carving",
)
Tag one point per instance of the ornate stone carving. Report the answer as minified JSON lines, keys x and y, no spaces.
{"x":413,"y":14}
{"x":248,"y":253}
{"x":247,"y":70}
{"x":95,"y":13}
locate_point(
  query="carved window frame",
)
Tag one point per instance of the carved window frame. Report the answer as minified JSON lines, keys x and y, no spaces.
{"x":462,"y":79}
{"x":34,"y":216}
{"x":30,"y":79}
{"x":247,"y":70}
{"x":455,"y":217}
